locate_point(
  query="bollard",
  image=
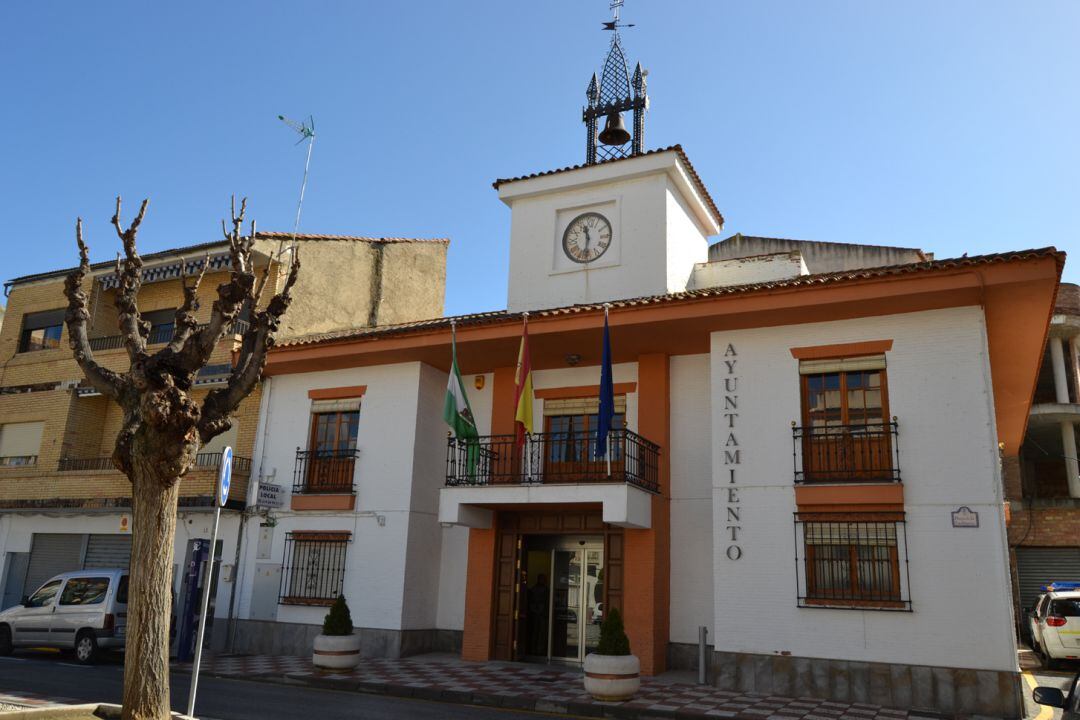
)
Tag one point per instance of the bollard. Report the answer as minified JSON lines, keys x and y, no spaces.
{"x":702,"y":633}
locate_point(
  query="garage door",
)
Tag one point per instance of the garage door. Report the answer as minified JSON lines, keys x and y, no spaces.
{"x":52,"y":554}
{"x":1036,"y":567}
{"x":108,"y":551}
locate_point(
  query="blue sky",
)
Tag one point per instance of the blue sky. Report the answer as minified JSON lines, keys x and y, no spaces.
{"x":952,"y":126}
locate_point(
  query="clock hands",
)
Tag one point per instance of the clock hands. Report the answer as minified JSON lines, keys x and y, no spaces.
{"x":588,"y":238}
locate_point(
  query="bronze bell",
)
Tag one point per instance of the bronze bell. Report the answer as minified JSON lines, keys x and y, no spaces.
{"x":614,"y":132}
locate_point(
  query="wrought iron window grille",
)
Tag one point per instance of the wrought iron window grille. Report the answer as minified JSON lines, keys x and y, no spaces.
{"x":313,"y":567}
{"x":852,"y":561}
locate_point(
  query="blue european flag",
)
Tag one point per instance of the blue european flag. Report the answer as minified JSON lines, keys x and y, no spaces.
{"x":607,"y":397}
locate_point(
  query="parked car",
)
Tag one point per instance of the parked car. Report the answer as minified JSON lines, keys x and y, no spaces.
{"x":1068,"y":701}
{"x":1054,"y":624}
{"x":83,"y":611}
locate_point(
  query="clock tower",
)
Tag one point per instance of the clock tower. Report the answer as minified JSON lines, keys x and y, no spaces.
{"x":625,"y":224}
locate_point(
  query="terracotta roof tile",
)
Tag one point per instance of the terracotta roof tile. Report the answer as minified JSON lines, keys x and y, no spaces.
{"x":498,"y":316}
{"x":357,"y":238}
{"x":671,"y":148}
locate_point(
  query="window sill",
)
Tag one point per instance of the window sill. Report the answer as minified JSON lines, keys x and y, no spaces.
{"x":306,"y":602}
{"x":842,"y":604}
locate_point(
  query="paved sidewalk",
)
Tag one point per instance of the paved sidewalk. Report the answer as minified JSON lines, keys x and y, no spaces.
{"x":18,"y":700}
{"x":543,"y":688}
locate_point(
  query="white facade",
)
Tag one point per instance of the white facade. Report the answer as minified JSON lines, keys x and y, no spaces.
{"x":940,"y":391}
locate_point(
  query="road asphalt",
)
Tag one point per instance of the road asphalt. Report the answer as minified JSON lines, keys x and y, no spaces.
{"x":57,"y":676}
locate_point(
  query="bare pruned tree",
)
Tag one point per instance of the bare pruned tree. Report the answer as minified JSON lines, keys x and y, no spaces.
{"x":164,"y":426}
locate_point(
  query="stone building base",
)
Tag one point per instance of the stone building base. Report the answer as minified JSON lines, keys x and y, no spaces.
{"x":949,"y":691}
{"x":261,"y":637}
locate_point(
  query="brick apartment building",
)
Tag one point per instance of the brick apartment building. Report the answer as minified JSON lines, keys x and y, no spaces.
{"x":63,"y":505}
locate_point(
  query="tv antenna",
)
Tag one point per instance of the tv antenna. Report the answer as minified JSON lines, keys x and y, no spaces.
{"x":306,"y":131}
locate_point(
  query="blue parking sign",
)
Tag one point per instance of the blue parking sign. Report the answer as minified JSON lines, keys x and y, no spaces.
{"x":225,"y":479}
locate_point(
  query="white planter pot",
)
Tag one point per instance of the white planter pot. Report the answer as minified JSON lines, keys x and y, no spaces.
{"x":336,"y":651}
{"x":612,"y":677}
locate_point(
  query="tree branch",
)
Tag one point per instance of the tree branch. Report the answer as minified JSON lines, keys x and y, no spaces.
{"x":185,"y":323}
{"x":132,"y":327}
{"x":77,"y":318}
{"x":232,"y":294}
{"x":257,"y":340}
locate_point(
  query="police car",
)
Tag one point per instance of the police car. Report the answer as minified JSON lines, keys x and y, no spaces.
{"x":1055,"y":622}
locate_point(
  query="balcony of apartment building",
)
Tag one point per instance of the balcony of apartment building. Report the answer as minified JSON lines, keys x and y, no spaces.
{"x":76,"y":469}
{"x":557,"y":467}
{"x":1050,"y":471}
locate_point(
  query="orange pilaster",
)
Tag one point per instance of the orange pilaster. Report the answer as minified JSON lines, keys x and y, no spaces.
{"x":648,"y":552}
{"x":480,"y":575}
{"x":479,"y":584}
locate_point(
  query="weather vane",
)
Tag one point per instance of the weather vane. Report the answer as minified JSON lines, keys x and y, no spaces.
{"x":615,"y":7}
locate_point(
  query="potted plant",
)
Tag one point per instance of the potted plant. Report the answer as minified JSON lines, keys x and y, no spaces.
{"x":612,"y":673}
{"x":338,"y":647}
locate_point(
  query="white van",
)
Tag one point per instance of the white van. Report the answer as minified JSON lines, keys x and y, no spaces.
{"x":82,"y":611}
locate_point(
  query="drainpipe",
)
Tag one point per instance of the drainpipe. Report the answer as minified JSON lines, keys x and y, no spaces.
{"x":264,"y":421}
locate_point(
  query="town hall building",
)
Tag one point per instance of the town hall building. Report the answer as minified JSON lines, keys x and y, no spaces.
{"x":806,"y":459}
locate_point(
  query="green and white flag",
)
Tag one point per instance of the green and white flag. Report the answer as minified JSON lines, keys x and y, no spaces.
{"x":458,"y":414}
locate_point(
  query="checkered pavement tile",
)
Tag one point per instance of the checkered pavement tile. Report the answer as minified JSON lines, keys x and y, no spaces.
{"x":554,"y":685}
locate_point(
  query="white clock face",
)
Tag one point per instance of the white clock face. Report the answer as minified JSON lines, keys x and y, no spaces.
{"x":587,"y":237}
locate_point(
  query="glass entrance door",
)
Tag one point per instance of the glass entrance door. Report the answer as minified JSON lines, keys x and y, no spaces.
{"x":563,"y":615}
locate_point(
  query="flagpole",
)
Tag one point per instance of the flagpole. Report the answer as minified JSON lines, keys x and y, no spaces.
{"x":607,"y":445}
{"x":527,"y":445}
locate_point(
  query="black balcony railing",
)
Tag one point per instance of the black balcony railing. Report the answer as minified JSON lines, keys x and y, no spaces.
{"x":847,"y":453}
{"x":553,"y":458}
{"x":324,"y":471}
{"x":18,"y":460}
{"x":159,"y":334}
{"x":84,"y":464}
{"x":202,"y":460}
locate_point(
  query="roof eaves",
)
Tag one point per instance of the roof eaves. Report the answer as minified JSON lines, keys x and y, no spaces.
{"x":796,"y":283}
{"x":677,"y":149}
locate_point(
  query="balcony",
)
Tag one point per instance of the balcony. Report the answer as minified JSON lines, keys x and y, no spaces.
{"x":552,"y":458}
{"x":550,"y":468}
{"x":203,"y":461}
{"x":18,"y":461}
{"x":865,"y":453}
{"x":324,"y":471}
{"x":100,"y":485}
{"x":159,"y":335}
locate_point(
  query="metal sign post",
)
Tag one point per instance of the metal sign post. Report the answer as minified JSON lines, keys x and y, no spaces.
{"x":224,"y":481}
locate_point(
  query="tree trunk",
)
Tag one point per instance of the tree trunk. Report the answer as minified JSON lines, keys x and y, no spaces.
{"x":146,"y":657}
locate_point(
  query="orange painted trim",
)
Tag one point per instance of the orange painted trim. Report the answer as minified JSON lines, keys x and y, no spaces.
{"x":323,"y":502}
{"x":581,"y":391}
{"x":338,"y":393}
{"x":815,"y":498}
{"x":821,"y":352}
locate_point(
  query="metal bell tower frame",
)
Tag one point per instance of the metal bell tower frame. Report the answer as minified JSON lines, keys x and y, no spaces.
{"x":614,"y":94}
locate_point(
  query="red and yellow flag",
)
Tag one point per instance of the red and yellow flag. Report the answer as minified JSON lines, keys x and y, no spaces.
{"x":523,"y":389}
